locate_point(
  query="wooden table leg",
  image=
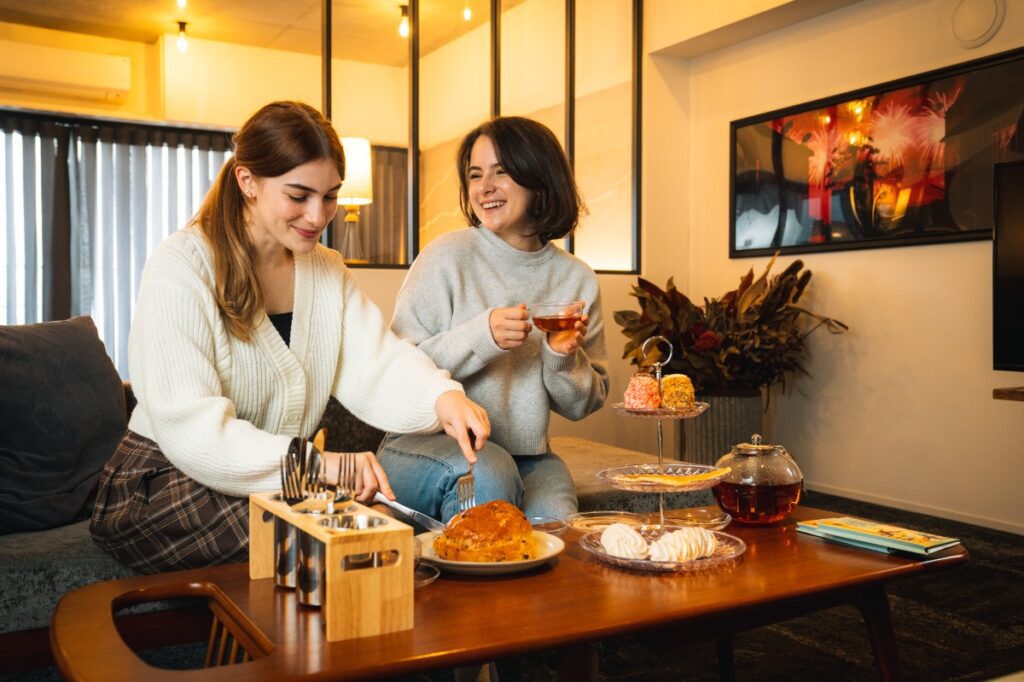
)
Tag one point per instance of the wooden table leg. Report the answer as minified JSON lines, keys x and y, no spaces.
{"x":873,"y":604}
{"x":578,"y":663}
{"x":726,"y":662}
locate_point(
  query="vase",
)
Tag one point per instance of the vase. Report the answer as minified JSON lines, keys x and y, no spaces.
{"x":733,"y":417}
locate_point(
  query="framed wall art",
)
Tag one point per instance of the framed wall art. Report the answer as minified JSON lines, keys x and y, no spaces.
{"x":902,"y":163}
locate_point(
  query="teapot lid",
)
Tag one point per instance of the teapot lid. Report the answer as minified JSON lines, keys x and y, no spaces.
{"x":756,"y":447}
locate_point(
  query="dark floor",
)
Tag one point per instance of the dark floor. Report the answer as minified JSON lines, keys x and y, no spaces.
{"x":963,"y":624}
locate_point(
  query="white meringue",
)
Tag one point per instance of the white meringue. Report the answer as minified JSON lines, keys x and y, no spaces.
{"x":685,"y":544}
{"x":623,"y":541}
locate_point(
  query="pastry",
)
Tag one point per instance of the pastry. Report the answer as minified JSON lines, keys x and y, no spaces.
{"x":677,"y":392}
{"x":642,"y":393}
{"x":495,"y":531}
{"x":623,"y":541}
{"x":685,"y":544}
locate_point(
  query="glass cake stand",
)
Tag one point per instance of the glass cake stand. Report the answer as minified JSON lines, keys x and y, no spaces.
{"x":694,"y":476}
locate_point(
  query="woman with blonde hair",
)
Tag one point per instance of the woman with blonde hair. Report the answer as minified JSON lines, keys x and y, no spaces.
{"x":245,"y":325}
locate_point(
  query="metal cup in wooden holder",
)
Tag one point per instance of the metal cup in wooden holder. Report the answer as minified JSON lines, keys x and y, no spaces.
{"x":357,"y":567}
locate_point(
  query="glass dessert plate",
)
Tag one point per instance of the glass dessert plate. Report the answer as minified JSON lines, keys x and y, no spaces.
{"x":599,"y":520}
{"x":660,"y":412}
{"x":708,"y":518}
{"x":729,"y":549}
{"x":548,"y":524}
{"x":683,"y":477}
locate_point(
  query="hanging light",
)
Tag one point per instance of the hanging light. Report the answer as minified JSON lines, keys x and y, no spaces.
{"x":403,"y":25}
{"x":181,"y":4}
{"x":467,"y":13}
{"x":182,"y":38}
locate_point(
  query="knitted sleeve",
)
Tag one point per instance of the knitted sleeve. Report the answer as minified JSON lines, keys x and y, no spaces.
{"x":174,"y":340}
{"x":578,"y":384}
{"x":424,"y":312}
{"x":383,"y":380}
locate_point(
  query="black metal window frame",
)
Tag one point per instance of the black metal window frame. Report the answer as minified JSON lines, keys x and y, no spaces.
{"x":413,"y":192}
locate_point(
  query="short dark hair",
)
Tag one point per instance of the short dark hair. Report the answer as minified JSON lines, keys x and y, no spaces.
{"x":532,"y":156}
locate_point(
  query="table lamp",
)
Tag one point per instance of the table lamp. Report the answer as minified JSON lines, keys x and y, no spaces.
{"x":356,"y":191}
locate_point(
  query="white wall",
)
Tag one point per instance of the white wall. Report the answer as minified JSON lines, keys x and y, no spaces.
{"x":899,"y":410}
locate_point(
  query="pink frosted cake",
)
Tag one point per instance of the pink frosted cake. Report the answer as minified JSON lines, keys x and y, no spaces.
{"x":642,"y":393}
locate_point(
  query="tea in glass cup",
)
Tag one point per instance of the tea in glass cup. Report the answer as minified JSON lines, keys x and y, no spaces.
{"x":556,"y":317}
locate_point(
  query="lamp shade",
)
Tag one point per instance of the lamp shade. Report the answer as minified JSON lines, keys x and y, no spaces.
{"x":357,"y":189}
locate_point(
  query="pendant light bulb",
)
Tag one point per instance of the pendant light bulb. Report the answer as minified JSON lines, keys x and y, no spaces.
{"x":182,"y":38}
{"x":467,"y":13}
{"x":403,"y":25}
{"x":181,"y":4}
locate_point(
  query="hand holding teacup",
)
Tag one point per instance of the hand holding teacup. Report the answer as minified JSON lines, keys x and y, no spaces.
{"x":565,"y":324}
{"x":510,"y":326}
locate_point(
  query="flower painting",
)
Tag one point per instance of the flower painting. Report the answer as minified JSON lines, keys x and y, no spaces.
{"x":907,"y":162}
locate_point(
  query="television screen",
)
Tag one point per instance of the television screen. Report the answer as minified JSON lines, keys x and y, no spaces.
{"x":1008,"y":268}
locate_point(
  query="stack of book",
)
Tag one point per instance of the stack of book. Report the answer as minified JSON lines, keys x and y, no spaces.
{"x":879,"y":537}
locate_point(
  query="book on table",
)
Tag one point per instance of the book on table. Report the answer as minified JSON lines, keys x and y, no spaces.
{"x":879,"y":537}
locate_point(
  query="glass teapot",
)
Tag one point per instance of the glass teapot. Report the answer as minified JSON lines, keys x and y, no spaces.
{"x":764,"y":483}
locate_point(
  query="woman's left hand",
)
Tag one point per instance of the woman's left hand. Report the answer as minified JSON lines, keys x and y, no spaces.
{"x":463,"y":420}
{"x":569,"y":341}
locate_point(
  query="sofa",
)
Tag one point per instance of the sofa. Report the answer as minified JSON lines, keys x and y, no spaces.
{"x":62,"y":412}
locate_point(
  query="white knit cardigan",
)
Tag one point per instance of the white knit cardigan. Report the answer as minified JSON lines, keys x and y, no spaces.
{"x":222,"y":410}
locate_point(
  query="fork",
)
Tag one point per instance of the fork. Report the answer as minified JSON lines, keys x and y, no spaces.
{"x":465,"y":491}
{"x":346,"y":484}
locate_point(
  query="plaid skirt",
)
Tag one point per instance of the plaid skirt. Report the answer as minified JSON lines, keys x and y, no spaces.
{"x":152,"y":517}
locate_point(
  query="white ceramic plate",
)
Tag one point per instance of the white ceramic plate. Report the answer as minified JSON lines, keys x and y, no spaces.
{"x":548,"y":547}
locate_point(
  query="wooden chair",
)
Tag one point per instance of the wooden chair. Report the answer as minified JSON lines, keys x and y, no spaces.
{"x":85,"y":628}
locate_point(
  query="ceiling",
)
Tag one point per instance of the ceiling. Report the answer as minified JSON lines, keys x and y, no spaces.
{"x":363,"y":30}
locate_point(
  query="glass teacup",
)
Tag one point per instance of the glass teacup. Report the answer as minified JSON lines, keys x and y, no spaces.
{"x":556,"y":317}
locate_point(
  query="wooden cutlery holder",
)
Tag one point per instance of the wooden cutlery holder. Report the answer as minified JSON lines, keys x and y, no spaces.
{"x":367,"y":571}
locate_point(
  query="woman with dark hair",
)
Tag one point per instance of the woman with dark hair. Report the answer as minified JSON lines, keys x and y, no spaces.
{"x":464,"y":302}
{"x":244,"y":327}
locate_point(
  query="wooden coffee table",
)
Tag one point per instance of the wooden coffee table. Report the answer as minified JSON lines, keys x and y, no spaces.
{"x":465,"y":620}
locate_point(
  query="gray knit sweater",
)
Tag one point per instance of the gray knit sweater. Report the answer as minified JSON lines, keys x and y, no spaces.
{"x":444,"y":308}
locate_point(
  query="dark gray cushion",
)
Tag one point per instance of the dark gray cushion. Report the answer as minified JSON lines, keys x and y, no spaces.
{"x":62,"y":414}
{"x":37,"y":569}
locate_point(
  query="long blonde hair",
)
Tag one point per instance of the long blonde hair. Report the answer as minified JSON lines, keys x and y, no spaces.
{"x":276,"y":139}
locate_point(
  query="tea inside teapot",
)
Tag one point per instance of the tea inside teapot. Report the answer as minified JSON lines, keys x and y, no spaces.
{"x":763,"y":486}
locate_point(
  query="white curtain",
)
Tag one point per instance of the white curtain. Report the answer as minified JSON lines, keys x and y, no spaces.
{"x":34,"y":220}
{"x":82,"y":207}
{"x":133,"y":189}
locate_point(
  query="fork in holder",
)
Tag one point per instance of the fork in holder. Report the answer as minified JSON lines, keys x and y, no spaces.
{"x":345,"y":485}
{"x":465,"y":491}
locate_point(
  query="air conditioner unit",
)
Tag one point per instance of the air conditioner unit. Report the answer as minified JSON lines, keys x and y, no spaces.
{"x":61,"y":72}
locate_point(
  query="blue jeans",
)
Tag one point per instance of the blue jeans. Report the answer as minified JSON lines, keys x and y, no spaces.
{"x":423,"y":469}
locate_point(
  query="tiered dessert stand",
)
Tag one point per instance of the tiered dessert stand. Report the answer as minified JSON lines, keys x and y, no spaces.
{"x":618,"y":477}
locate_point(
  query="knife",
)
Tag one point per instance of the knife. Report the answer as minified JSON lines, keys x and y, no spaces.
{"x":427,"y":522}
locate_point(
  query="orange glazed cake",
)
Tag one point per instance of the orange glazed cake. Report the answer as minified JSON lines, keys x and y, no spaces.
{"x":495,"y":531}
{"x":677,"y":392}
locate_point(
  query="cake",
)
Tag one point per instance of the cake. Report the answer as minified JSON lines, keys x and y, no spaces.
{"x":677,"y":392}
{"x":642,"y":393}
{"x":495,"y":531}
